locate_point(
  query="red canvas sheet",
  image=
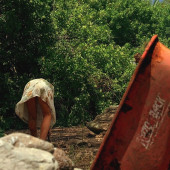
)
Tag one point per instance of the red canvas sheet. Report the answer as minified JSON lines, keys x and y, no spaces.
{"x":139,"y":136}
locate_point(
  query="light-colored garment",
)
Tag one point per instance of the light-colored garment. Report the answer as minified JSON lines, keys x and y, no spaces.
{"x":37,"y":88}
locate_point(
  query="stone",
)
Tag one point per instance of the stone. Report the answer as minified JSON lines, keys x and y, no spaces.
{"x":102,"y":122}
{"x":64,"y":161}
{"x":14,"y":158}
{"x":22,"y":151}
{"x":25,"y":140}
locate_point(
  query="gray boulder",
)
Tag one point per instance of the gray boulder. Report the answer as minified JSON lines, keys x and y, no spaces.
{"x":102,"y":122}
{"x":14,"y":158}
{"x":22,"y":151}
{"x":25,"y":140}
{"x":63,"y":161}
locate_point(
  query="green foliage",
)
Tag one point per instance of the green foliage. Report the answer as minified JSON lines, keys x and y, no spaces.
{"x":84,"y":48}
{"x":26,"y":28}
{"x":1,"y":133}
{"x":26,"y":35}
{"x":161,"y":13}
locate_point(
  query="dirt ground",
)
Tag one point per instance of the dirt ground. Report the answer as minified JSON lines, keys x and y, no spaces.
{"x":79,"y":143}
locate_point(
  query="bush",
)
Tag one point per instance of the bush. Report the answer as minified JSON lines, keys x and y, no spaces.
{"x":26,"y":35}
{"x":84,"y":48}
{"x":1,"y":133}
{"x":89,"y":80}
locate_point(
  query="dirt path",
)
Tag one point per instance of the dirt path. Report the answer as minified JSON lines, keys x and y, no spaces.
{"x":79,"y":143}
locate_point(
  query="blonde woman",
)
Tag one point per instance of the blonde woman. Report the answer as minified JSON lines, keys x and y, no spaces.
{"x":36,"y":107}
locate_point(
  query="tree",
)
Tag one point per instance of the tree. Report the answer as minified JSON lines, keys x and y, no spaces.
{"x":26,"y":35}
{"x":84,"y":48}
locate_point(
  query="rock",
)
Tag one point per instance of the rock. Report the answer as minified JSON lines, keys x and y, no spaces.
{"x":22,"y":151}
{"x":14,"y":158}
{"x":102,"y":121}
{"x":63,"y":161}
{"x":91,"y":135}
{"x":24,"y":140}
{"x":111,"y":109}
{"x":83,"y":143}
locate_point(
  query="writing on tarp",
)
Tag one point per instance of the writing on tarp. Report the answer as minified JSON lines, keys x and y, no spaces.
{"x":157,"y":108}
{"x":152,"y":123}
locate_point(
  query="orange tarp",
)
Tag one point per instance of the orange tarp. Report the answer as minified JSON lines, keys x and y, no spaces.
{"x":139,"y":136}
